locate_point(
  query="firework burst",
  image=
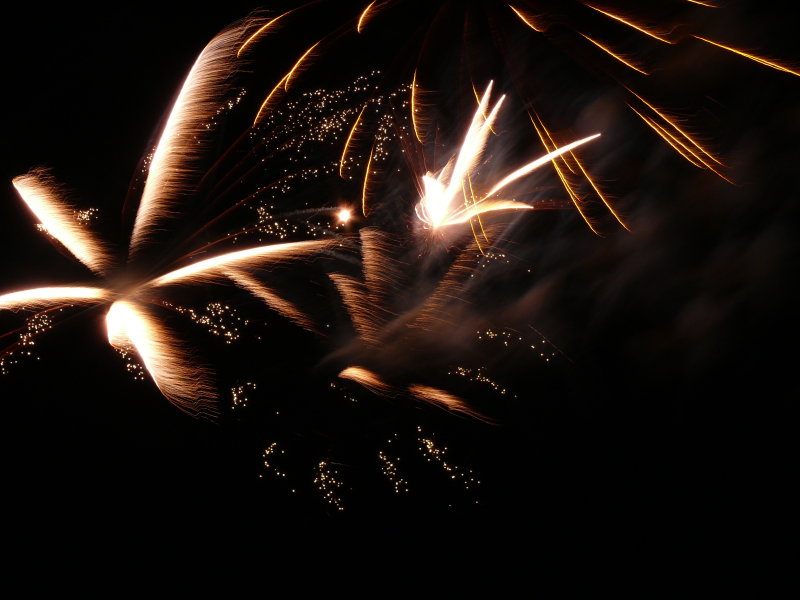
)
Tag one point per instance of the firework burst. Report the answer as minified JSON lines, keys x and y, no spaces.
{"x":172,"y":179}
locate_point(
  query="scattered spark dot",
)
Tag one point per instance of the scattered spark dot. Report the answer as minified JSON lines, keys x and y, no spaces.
{"x":329,"y":485}
{"x":239,"y":394}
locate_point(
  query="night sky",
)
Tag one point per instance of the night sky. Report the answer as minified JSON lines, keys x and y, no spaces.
{"x":668,"y":418}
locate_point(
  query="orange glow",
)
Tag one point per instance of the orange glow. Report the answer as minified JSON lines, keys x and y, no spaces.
{"x":366,"y":378}
{"x":344,"y":215}
{"x":758,"y":59}
{"x":442,"y":399}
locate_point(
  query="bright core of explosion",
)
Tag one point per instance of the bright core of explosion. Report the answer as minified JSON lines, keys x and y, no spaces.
{"x":439,"y":205}
{"x":344,"y":215}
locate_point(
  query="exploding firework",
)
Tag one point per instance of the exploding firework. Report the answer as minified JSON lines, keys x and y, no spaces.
{"x":565,"y":63}
{"x":171,"y":182}
{"x":424,"y":281}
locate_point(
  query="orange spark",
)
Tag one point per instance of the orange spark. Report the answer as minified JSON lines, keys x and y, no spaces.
{"x":674,"y":125}
{"x":442,"y":399}
{"x":366,"y":179}
{"x":414,"y":107}
{"x":347,"y":142}
{"x":631,"y":24}
{"x":362,"y":20}
{"x":300,"y":60}
{"x":527,"y":20}
{"x":586,"y":175}
{"x":679,"y":146}
{"x":261,"y":30}
{"x":366,"y":378}
{"x":613,"y":54}
{"x":284,"y":81}
{"x":758,"y":59}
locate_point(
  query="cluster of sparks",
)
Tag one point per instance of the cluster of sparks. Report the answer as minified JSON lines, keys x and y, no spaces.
{"x":356,"y":128}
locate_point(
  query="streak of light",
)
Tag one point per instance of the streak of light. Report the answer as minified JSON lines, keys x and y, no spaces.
{"x":629,"y":23}
{"x":436,"y":207}
{"x":347,"y":142}
{"x":283,"y":82}
{"x":675,"y":126}
{"x":758,"y":59}
{"x":444,"y":399}
{"x":215,"y":267}
{"x":280,"y":305}
{"x":46,"y":296}
{"x":414,"y":107}
{"x":261,"y":30}
{"x":41,"y":195}
{"x":527,"y":19}
{"x":366,"y":180}
{"x":613,"y":54}
{"x":367,"y":379}
{"x":296,"y":66}
{"x":525,"y":169}
{"x":685,"y":151}
{"x":181,"y":143}
{"x":183,"y":382}
{"x":362,"y":20}
{"x":580,"y":166}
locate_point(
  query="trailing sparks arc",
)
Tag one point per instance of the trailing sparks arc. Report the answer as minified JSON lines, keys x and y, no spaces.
{"x":132,"y":321}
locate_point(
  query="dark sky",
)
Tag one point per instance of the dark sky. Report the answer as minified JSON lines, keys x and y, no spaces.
{"x":681,"y":391}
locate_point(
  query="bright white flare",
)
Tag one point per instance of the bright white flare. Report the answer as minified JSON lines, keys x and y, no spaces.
{"x":47,"y":296}
{"x":345,"y":214}
{"x":438,"y":206}
{"x":185,"y":135}
{"x":188,"y":386}
{"x":214,"y":268}
{"x":41,"y":195}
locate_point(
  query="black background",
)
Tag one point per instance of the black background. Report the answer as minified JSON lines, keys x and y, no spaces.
{"x":681,"y":437}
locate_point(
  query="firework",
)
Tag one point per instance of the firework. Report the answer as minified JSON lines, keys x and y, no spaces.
{"x":443,"y":48}
{"x":172,"y":178}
